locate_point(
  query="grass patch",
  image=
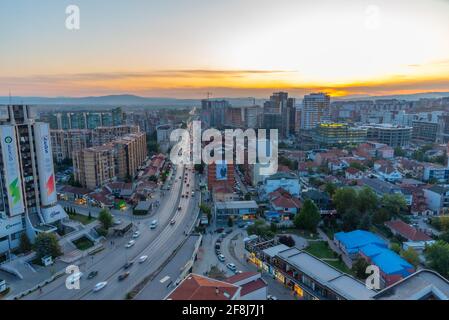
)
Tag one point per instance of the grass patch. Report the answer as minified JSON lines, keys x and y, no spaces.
{"x":320,"y":249}
{"x":302,"y":233}
{"x":80,"y":218}
{"x":83,"y":243}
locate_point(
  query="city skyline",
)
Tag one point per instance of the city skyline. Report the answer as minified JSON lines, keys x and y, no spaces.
{"x":232,"y":49}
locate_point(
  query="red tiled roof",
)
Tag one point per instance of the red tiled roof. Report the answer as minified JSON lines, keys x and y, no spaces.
{"x":407,"y":231}
{"x":196,"y":287}
{"x":352,"y":170}
{"x":241,"y":276}
{"x":252,"y":286}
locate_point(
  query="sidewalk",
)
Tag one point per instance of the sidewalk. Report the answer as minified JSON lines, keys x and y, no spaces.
{"x":334,"y":248}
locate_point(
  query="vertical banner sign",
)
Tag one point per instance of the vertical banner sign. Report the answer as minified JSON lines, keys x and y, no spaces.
{"x":221,"y":170}
{"x":45,"y":164}
{"x":12,"y":172}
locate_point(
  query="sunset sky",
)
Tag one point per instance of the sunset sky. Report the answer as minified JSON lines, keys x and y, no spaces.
{"x":232,"y":48}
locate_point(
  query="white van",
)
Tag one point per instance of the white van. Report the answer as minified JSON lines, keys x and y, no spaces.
{"x":153,"y":224}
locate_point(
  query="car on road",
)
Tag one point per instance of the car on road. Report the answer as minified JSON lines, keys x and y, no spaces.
{"x":153,"y":224}
{"x":123,"y":276}
{"x":128,"y":265}
{"x":228,"y":231}
{"x":130,"y":244}
{"x":231,"y":267}
{"x":219,"y":230}
{"x":219,"y":240}
{"x":179,"y":208}
{"x":74,"y":277}
{"x":270,"y":297}
{"x":92,"y":275}
{"x":172,"y":221}
{"x":182,"y":196}
{"x":100,"y":285}
{"x":136,"y":234}
{"x":221,"y":257}
{"x":142,"y":259}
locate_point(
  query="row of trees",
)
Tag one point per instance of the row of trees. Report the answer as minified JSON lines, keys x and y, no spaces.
{"x":360,"y":209}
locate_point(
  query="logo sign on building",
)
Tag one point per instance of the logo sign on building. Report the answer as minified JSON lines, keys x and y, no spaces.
{"x":45,"y":164}
{"x":221,"y":171}
{"x":13,"y":180}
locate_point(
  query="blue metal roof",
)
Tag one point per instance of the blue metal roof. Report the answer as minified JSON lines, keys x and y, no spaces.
{"x":357,"y":239}
{"x":388,"y":261}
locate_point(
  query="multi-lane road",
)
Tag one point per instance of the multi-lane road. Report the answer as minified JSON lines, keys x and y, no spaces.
{"x":158,"y":244}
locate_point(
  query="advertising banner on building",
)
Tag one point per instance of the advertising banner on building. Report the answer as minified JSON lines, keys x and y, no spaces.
{"x":221,"y":172}
{"x":45,"y":164}
{"x":10,"y":226}
{"x":13,"y":180}
{"x":53,"y":213}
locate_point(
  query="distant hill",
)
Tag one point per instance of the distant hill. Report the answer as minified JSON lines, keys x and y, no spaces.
{"x":133,"y":100}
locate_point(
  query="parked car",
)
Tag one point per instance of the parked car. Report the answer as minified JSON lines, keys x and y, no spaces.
{"x":100,"y":286}
{"x":117,"y":222}
{"x":123,"y":276}
{"x":221,"y":257}
{"x":130,"y":244}
{"x":92,"y":275}
{"x":231,"y":267}
{"x":153,"y":224}
{"x":136,"y":234}
{"x":270,"y":297}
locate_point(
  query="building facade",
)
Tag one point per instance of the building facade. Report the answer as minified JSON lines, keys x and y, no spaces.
{"x":28,"y":201}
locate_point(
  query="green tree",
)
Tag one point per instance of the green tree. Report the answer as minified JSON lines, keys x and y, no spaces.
{"x":367,"y":200}
{"x":273,"y":227}
{"x":46,"y":244}
{"x":358,"y":166}
{"x":248,"y":196}
{"x":394,"y":203}
{"x":345,"y":199}
{"x":25,"y":243}
{"x":399,"y":152}
{"x":381,"y":216}
{"x":359,"y":268}
{"x":330,"y":188}
{"x":444,"y":236}
{"x":309,"y":216}
{"x":350,"y":219}
{"x":437,"y":256}
{"x":106,"y":219}
{"x":396,"y":247}
{"x":411,"y":256}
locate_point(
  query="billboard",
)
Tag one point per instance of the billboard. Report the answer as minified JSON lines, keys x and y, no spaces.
{"x":221,"y":171}
{"x":53,"y":213}
{"x":13,"y":180}
{"x":44,"y":157}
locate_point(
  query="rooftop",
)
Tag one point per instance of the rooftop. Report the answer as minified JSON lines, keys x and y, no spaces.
{"x":407,"y":231}
{"x":357,"y":239}
{"x":237,"y":205}
{"x":421,"y":285}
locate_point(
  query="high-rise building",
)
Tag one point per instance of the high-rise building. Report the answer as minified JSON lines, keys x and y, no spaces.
{"x":86,"y":120}
{"x":213,"y":113}
{"x":28,"y":201}
{"x":333,"y":134}
{"x":316,"y":109}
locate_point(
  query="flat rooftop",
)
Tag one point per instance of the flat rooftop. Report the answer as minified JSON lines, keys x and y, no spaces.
{"x":237,"y":205}
{"x":422,"y":285}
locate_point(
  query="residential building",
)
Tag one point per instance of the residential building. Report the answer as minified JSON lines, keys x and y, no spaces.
{"x":94,"y":167}
{"x":283,"y":202}
{"x":28,"y":200}
{"x":435,"y":172}
{"x":219,"y":174}
{"x":285,"y":180}
{"x":163,"y":137}
{"x":316,"y":109}
{"x":243,"y":286}
{"x":406,"y":231}
{"x":437,"y":198}
{"x":424,"y":131}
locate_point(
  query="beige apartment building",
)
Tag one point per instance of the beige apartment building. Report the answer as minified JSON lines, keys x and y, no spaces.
{"x":120,"y":159}
{"x":65,"y":142}
{"x":93,"y":167}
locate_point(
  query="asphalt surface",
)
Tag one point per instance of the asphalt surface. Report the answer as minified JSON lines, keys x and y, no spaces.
{"x":157,"y":244}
